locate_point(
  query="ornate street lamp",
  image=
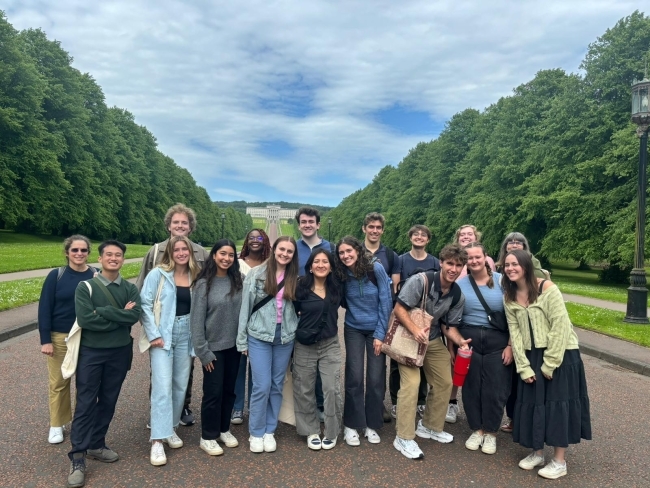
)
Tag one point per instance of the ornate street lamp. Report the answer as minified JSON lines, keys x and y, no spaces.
{"x":223,"y":221}
{"x":329,"y":229}
{"x":637,"y":293}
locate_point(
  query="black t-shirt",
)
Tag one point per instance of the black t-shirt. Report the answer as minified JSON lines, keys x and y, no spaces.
{"x":183,"y":300}
{"x":311,"y":311}
{"x":410,"y":264}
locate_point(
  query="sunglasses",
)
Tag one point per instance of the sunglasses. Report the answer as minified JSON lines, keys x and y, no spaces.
{"x":76,"y":249}
{"x":258,"y":238}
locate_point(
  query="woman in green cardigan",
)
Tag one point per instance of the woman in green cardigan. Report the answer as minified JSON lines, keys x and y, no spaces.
{"x":552,"y":403}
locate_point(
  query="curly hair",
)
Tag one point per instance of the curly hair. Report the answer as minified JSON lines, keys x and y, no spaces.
{"x":477,"y":234}
{"x":362,"y":265}
{"x":266,"y":245}
{"x":181,"y":209}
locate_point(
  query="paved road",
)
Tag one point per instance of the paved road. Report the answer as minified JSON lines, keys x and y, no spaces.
{"x":617,"y":456}
{"x":37,"y":273}
{"x":273,"y":232}
{"x":595,"y":302}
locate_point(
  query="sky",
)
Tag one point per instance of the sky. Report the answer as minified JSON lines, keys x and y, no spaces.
{"x":307,"y":100}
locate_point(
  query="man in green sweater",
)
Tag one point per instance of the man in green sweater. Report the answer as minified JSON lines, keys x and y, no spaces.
{"x":105,"y":317}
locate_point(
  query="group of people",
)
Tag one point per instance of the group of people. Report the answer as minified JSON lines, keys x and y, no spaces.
{"x":274,"y":306}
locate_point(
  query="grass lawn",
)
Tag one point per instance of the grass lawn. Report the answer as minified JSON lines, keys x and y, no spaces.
{"x":286,"y":229}
{"x":21,"y":292}
{"x":22,"y":252}
{"x":259,"y":223}
{"x":585,"y":283}
{"x":608,"y":322}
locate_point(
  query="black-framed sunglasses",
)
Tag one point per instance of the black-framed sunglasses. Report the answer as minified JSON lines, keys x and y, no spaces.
{"x":258,"y":238}
{"x":76,"y":249}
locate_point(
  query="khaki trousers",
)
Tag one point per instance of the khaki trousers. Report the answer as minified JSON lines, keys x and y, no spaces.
{"x":59,"y":389}
{"x":438,"y":374}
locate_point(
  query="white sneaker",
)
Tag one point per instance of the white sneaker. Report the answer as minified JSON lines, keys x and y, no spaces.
{"x":442,"y":437}
{"x":157,"y":457}
{"x":174,"y":441}
{"x":56,"y":435}
{"x":393,"y":411}
{"x":351,"y":437}
{"x":409,"y":448}
{"x":269,"y":443}
{"x":489,"y":444}
{"x":475,"y":441}
{"x":228,"y":439}
{"x":257,"y":444}
{"x":372,"y":436}
{"x":452,"y":413}
{"x":211,"y":447}
{"x":553,"y":470}
{"x":531,"y":461}
{"x":328,"y":443}
{"x":313,"y":442}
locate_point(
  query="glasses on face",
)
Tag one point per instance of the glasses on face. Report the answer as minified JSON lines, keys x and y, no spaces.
{"x":76,"y":249}
{"x":515,"y":243}
{"x":258,"y":238}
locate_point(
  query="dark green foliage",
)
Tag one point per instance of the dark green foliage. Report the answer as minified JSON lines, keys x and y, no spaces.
{"x":69,"y":164}
{"x":557,"y":160}
{"x":614,"y":274}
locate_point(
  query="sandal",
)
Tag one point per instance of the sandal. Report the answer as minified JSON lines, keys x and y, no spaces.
{"x":507,"y":427}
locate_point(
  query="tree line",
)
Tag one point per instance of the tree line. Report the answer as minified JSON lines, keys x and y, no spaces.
{"x":557,"y":160}
{"x":70,"y":164}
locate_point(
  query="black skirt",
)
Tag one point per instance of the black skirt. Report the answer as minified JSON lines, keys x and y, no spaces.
{"x":553,"y":412}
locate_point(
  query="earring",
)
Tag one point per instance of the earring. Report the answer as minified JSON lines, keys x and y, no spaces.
{"x":310,"y":271}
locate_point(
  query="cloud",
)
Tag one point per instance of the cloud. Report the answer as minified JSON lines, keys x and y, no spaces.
{"x":277,"y":95}
{"x":227,"y":193}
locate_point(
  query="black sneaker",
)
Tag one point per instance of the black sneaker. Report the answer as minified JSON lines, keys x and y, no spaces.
{"x":187,"y":418}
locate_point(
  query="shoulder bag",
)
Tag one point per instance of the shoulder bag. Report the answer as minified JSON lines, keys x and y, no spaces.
{"x":73,"y":342}
{"x":496,"y":318}
{"x":399,"y":343}
{"x":143,"y":341}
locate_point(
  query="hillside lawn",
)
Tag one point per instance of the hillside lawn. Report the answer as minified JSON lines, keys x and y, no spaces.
{"x":23,"y":252}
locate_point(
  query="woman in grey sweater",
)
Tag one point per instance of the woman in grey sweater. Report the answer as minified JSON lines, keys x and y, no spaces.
{"x":214,"y":318}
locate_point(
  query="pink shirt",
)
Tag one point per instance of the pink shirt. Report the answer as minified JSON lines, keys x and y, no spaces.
{"x":278,"y":299}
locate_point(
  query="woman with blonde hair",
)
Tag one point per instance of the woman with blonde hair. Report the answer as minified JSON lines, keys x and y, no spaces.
{"x":56,"y":315}
{"x":267,"y":328}
{"x":168,"y":332}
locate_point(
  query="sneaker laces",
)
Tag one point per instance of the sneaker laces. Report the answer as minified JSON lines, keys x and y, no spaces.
{"x":212,"y":444}
{"x":158,"y":449}
{"x":78,"y":464}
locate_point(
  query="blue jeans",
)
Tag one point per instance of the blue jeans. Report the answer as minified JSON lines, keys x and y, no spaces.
{"x":269,"y":361}
{"x":240,"y":385}
{"x":170,"y":371}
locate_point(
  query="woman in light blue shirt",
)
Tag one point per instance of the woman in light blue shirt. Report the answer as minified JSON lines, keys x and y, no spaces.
{"x":487,"y":384}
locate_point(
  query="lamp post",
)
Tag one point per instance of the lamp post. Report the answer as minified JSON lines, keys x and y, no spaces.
{"x":329,"y":229}
{"x":637,"y":293}
{"x":223,"y":221}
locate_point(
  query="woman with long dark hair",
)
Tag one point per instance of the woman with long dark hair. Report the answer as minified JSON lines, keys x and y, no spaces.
{"x":255,"y":251}
{"x":317,"y":349}
{"x":56,"y":315}
{"x":170,"y":339}
{"x":214,"y":320}
{"x":487,"y":384}
{"x":552,"y":403}
{"x":267,"y":327}
{"x":368,"y":305}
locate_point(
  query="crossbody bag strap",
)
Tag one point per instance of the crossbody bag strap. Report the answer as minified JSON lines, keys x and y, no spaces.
{"x":541,"y":286}
{"x":265,"y":300}
{"x":425,"y":293}
{"x":161,"y":283}
{"x":478,"y":294}
{"x":107,"y":293}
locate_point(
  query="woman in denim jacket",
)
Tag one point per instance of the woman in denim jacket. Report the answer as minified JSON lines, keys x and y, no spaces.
{"x":170,"y":340}
{"x":266,"y":334}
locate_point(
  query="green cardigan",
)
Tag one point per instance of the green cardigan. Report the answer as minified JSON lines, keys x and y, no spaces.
{"x":552,"y":330}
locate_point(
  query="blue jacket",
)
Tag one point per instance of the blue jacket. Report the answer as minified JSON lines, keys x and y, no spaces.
{"x":369,"y":306}
{"x":261,"y":325}
{"x":168,"y":307}
{"x":304,"y":251}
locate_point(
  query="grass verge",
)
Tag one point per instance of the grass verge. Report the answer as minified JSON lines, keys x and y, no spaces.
{"x":22,"y":252}
{"x":22,"y":292}
{"x":608,"y":322}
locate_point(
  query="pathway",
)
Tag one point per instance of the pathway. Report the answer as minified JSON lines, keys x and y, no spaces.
{"x":38,"y":273}
{"x":595,"y":302}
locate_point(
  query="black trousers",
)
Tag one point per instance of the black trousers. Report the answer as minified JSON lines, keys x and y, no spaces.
{"x":219,"y":393}
{"x":188,"y":392}
{"x":100,"y":374}
{"x":487,"y":384}
{"x":393,"y":384}
{"x":512,"y":399}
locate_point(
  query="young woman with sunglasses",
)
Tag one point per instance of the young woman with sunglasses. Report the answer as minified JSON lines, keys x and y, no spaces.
{"x":56,"y":315}
{"x":255,"y":251}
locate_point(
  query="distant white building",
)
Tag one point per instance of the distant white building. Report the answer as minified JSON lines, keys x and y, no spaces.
{"x":271,"y":212}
